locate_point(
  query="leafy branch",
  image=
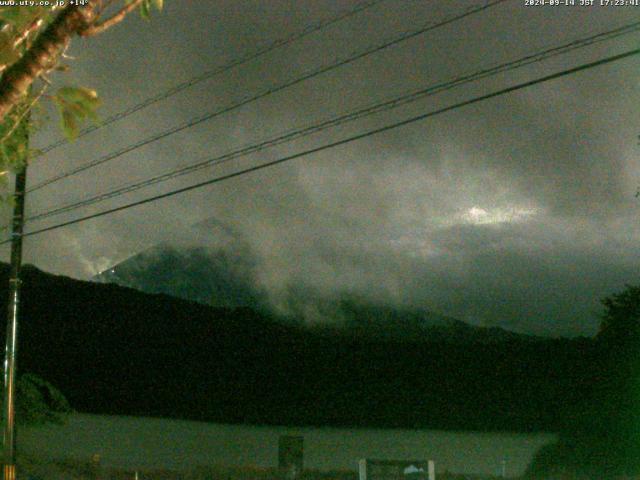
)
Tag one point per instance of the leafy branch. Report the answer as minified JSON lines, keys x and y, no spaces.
{"x":76,"y":104}
{"x":52,"y":36}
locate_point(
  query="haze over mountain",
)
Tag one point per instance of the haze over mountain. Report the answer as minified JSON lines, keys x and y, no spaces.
{"x":223,"y":278}
{"x":212,"y":264}
{"x":216,"y":278}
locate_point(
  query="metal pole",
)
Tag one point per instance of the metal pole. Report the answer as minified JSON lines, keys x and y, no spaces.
{"x":8,"y":414}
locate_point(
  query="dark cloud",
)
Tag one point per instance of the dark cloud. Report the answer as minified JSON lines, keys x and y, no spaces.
{"x":518,"y":211}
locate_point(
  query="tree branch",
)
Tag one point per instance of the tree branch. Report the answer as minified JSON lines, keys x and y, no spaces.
{"x":110,"y":22}
{"x":23,"y":114}
{"x":43,"y":54}
{"x":34,"y":26}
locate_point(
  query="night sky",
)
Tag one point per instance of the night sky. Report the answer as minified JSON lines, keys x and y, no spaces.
{"x":516,"y":212}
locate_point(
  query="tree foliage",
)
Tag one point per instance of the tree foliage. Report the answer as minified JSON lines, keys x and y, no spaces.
{"x":33,"y":40}
{"x":620,"y":325}
{"x":14,"y":150}
{"x":603,"y":438}
{"x":38,"y":402}
{"x":76,"y":104}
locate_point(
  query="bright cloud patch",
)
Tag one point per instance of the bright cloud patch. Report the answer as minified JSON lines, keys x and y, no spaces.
{"x":481,"y":216}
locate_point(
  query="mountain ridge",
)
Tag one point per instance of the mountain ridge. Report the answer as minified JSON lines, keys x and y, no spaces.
{"x":217,"y":277}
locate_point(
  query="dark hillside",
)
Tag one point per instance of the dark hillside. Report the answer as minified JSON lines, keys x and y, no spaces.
{"x":115,"y":350}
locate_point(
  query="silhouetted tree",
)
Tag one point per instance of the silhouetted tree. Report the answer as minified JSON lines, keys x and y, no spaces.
{"x":39,"y":402}
{"x":620,"y":326}
{"x":603,"y":438}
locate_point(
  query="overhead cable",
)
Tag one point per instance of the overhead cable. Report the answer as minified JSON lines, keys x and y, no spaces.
{"x":246,"y":58}
{"x":337,"y":143}
{"x":342,"y":119}
{"x":265,"y":93}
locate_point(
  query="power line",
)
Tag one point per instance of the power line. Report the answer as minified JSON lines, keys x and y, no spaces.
{"x":270,"y":47}
{"x":269,"y":91}
{"x":349,"y":117}
{"x":340,"y":142}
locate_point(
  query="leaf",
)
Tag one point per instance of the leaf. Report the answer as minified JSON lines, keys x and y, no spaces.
{"x":147,"y":5}
{"x":8,"y":54}
{"x":15,"y":16}
{"x":69,"y":125}
{"x":145,"y":9}
{"x":79,"y":95}
{"x":18,"y":19}
{"x":14,"y":132}
{"x":5,"y":157}
{"x":74,"y":104}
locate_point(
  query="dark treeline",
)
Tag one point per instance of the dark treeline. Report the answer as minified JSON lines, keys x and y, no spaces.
{"x":602,"y":439}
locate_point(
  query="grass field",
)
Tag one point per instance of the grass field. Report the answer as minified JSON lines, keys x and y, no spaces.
{"x":77,"y":470}
{"x":131,"y":443}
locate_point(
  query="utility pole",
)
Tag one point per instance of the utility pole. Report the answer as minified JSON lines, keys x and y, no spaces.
{"x":8,"y":413}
